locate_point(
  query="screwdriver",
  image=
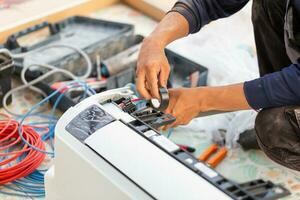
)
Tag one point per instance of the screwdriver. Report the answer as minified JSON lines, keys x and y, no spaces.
{"x":208,"y":152}
{"x":218,"y":157}
{"x":187,"y":148}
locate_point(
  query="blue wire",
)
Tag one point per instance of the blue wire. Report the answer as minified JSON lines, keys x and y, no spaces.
{"x":33,"y":184}
{"x":170,"y":131}
{"x":133,"y":88}
{"x":40,"y":104}
{"x":21,"y":195}
{"x":30,"y":186}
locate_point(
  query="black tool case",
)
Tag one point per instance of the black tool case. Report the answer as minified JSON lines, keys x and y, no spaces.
{"x":6,"y":70}
{"x":93,"y":36}
{"x":181,"y":69}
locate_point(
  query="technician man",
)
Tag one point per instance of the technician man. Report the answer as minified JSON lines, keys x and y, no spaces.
{"x":277,"y":93}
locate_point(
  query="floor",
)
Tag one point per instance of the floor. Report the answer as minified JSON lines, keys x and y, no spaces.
{"x":234,"y":51}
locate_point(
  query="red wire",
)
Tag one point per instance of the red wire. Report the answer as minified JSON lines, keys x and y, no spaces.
{"x":10,"y":168}
{"x":137,"y":99}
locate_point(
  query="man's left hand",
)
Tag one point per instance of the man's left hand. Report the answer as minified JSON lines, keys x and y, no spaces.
{"x":184,"y":105}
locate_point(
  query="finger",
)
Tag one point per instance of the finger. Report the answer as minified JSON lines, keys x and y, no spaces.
{"x":141,"y":86}
{"x":171,"y":107}
{"x":185,"y":122}
{"x":164,"y":128}
{"x":177,"y":116}
{"x":173,"y":125}
{"x":163,"y":77}
{"x":153,"y":84}
{"x":176,"y":123}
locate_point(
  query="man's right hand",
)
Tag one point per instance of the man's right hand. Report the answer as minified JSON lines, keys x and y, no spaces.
{"x":152,"y":69}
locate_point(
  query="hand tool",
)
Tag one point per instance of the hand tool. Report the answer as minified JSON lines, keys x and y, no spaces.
{"x":208,"y":152}
{"x":187,"y":148}
{"x":218,"y":156}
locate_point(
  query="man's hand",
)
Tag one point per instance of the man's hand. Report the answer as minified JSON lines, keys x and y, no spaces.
{"x":184,"y":105}
{"x":187,"y":103}
{"x":152,"y":69}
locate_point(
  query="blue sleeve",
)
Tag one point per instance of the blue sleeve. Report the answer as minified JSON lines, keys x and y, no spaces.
{"x":200,"y":12}
{"x":276,"y":89}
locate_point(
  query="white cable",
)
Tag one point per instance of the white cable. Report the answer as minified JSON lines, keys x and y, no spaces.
{"x":22,"y":87}
{"x":46,"y":75}
{"x":81,"y":52}
{"x":52,"y":68}
{"x":25,"y":68}
{"x":78,"y":50}
{"x":3,"y":50}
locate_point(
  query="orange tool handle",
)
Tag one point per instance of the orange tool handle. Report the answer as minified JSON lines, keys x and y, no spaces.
{"x":220,"y":155}
{"x":208,"y":152}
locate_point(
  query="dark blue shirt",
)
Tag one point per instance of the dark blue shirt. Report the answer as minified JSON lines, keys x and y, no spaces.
{"x":276,"y":89}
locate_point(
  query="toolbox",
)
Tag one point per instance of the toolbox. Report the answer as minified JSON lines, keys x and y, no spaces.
{"x":6,"y":70}
{"x":93,"y":36}
{"x":97,"y":38}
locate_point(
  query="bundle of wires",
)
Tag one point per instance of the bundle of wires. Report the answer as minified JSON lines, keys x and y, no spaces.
{"x":30,"y":186}
{"x":24,"y":146}
{"x":33,"y":184}
{"x":19,"y":161}
{"x":13,"y":149}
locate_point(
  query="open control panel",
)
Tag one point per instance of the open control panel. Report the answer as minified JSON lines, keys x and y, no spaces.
{"x":144,"y":120}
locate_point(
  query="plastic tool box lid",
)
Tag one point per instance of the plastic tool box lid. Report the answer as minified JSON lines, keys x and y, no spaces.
{"x":82,"y":32}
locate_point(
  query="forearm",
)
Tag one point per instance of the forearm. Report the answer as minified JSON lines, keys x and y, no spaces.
{"x":173,"y":26}
{"x":188,"y":103}
{"x":223,"y":98}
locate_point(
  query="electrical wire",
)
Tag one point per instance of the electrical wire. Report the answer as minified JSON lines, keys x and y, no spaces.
{"x":11,"y":168}
{"x":28,"y":114}
{"x":170,"y":131}
{"x":53,"y":70}
{"x":3,"y":50}
{"x":50,"y":67}
{"x":22,"y":87}
{"x":33,"y":184}
{"x":76,"y":49}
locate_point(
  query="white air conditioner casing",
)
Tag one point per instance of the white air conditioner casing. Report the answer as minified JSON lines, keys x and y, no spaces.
{"x":117,"y":163}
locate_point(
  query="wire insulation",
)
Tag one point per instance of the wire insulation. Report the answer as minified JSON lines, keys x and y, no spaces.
{"x":10,"y":141}
{"x":53,"y":70}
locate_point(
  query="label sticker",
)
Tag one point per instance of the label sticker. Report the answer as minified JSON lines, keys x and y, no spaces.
{"x":166,"y":143}
{"x":206,"y":170}
{"x":150,"y":133}
{"x":88,"y":121}
{"x":189,"y":161}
